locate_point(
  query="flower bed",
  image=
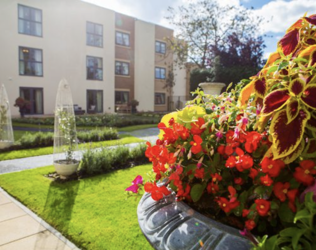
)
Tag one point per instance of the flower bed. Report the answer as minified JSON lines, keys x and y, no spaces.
{"x":247,"y":157}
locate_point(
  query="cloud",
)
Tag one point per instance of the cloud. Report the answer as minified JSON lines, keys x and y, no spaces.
{"x":282,"y":14}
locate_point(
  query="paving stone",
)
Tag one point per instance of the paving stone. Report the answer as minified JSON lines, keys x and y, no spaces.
{"x":4,"y":199}
{"x":10,"y":211}
{"x":14,"y":229}
{"x":41,"y":241}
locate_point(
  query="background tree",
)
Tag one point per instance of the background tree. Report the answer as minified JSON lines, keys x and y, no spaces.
{"x":206,"y":29}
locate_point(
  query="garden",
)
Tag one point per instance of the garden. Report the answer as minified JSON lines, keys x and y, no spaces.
{"x":229,"y":171}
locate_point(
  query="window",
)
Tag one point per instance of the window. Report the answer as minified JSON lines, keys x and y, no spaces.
{"x":94,"y":68}
{"x":160,"y":98}
{"x":121,"y":68}
{"x":94,"y":101}
{"x":30,"y":61}
{"x":122,"y":38}
{"x":121,"y":97}
{"x":35,"y":98}
{"x":94,"y":34}
{"x":160,"y":73}
{"x":30,"y":20}
{"x":160,"y":47}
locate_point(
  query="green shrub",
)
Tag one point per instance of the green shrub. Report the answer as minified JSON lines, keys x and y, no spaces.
{"x":46,"y":139}
{"x":104,"y":160}
{"x":109,"y":120}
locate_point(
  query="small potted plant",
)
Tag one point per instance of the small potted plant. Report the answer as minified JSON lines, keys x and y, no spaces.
{"x":6,"y":131}
{"x":246,"y":159}
{"x":66,"y":157}
{"x":133,"y":104}
{"x":23,"y":105}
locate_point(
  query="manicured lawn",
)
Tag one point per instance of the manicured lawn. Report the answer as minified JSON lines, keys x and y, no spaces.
{"x":93,"y":212}
{"x":137,"y":127}
{"x":16,"y":154}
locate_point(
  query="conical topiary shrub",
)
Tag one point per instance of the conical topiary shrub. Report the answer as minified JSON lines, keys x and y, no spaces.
{"x":6,"y":131}
{"x":66,"y":155}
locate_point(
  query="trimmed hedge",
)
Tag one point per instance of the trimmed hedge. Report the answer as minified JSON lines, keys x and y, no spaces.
{"x":104,"y":160}
{"x":46,"y":139}
{"x":109,"y":120}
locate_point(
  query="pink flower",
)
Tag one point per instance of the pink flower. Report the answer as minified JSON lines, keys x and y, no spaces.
{"x":135,"y":184}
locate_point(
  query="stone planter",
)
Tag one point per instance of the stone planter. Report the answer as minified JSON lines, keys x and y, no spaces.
{"x":65,"y":169}
{"x":5,"y":144}
{"x":212,"y":88}
{"x":171,"y":225}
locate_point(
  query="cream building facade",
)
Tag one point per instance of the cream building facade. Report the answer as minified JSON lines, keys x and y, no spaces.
{"x":108,"y":58}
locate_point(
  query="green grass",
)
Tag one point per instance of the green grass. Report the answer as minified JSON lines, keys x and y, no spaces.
{"x":92,"y":212}
{"x":16,"y":154}
{"x":137,"y":127}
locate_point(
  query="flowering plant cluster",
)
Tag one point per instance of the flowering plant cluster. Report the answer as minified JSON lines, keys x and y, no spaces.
{"x":249,"y":155}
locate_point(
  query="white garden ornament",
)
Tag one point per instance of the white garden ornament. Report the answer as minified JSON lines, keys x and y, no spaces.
{"x":66,"y":155}
{"x":6,"y":131}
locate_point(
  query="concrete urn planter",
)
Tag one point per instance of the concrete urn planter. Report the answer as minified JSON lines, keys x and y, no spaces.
{"x":5,"y":144}
{"x":212,"y":88}
{"x":65,"y":169}
{"x":171,"y":225}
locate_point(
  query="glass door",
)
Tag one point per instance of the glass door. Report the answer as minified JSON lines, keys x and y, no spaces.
{"x":35,"y":98}
{"x":94,"y":101}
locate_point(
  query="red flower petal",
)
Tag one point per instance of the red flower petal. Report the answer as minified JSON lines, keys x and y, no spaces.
{"x":260,"y":87}
{"x":274,"y":101}
{"x":289,"y":42}
{"x":309,"y":96}
{"x":287,"y":137}
{"x":296,"y":86}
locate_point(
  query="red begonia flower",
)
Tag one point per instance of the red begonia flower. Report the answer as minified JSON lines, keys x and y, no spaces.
{"x":230,"y":136}
{"x":292,"y":194}
{"x":229,"y":150}
{"x":212,"y":188}
{"x":263,"y":206}
{"x":304,"y":173}
{"x":199,"y":173}
{"x":266,"y":180}
{"x":216,"y":177}
{"x":246,"y":161}
{"x":157,"y":193}
{"x":280,"y":190}
{"x":250,"y":224}
{"x":238,"y":181}
{"x":196,"y":126}
{"x":245,"y":212}
{"x":196,"y":144}
{"x":181,"y":131}
{"x":272,"y":167}
{"x":252,"y":141}
{"x":224,"y":204}
{"x":253,"y":173}
{"x":230,"y":162}
{"x":221,"y":149}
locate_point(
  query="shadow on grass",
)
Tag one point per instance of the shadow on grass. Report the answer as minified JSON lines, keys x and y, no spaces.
{"x":58,"y":209}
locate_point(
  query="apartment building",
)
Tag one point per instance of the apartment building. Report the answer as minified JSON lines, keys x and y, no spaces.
{"x":108,"y":58}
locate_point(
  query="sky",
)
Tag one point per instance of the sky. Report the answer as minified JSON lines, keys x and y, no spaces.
{"x":279,"y":14}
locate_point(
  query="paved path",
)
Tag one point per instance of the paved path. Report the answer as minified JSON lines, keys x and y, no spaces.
{"x":15,"y":165}
{"x":21,"y":229}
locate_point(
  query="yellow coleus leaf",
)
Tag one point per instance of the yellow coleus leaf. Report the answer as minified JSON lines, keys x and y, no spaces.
{"x":246,"y":93}
{"x":306,"y":52}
